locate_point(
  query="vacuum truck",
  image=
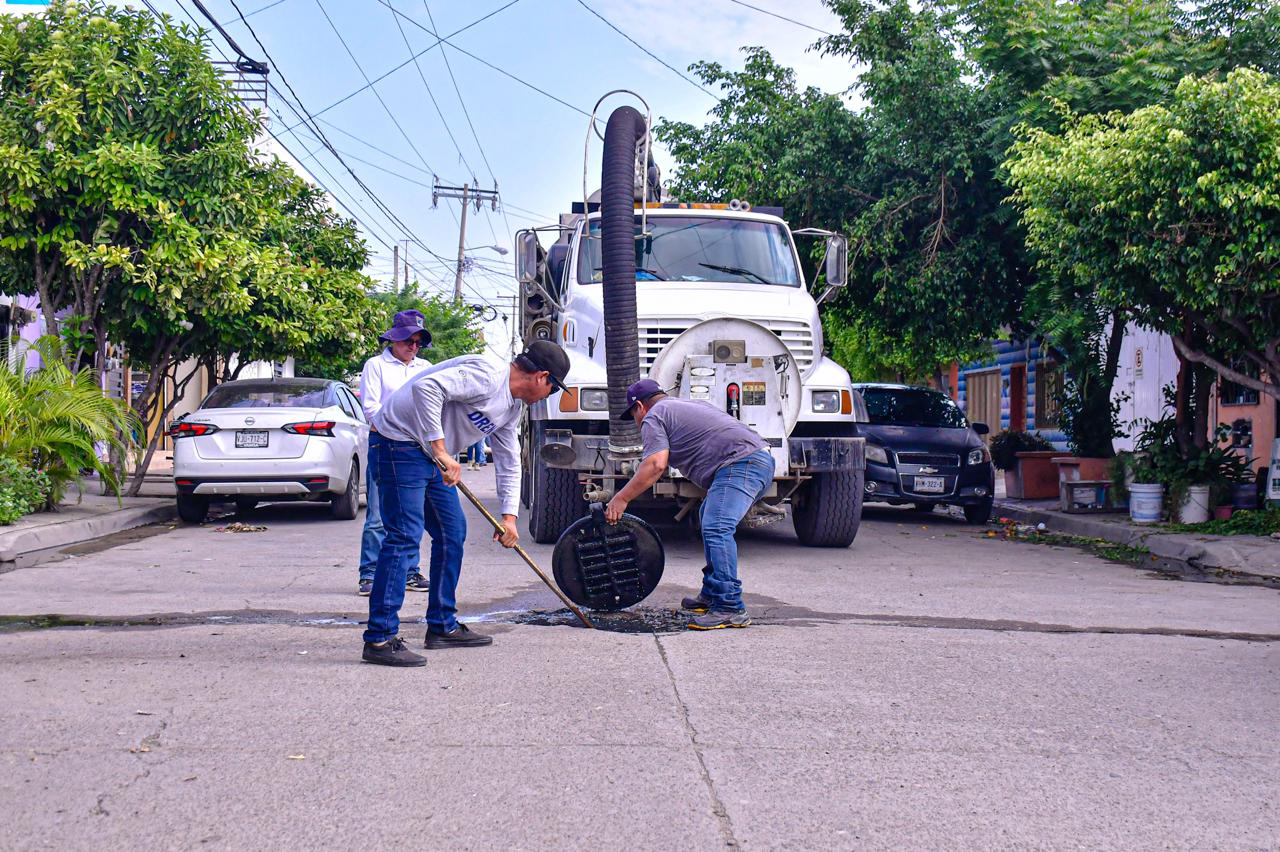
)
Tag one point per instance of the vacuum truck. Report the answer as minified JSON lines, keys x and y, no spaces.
{"x":710,"y":301}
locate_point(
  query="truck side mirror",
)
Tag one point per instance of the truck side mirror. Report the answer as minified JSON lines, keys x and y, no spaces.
{"x":528,"y":257}
{"x":837,"y":266}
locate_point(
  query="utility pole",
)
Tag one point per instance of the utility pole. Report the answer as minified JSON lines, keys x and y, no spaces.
{"x":406,"y":263}
{"x":395,"y":267}
{"x":468,"y":194}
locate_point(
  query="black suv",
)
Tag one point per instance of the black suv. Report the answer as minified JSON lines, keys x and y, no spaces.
{"x":921,"y":450}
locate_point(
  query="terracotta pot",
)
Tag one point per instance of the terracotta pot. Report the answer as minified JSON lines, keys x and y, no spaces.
{"x":1038,"y":475}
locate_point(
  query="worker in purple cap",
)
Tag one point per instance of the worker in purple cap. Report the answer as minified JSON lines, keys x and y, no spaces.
{"x":718,"y":453}
{"x":382,"y":375}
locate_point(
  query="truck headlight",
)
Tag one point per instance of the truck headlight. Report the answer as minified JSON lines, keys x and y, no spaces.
{"x":979,"y":456}
{"x":826,"y":402}
{"x":876,"y":453}
{"x":593,"y":399}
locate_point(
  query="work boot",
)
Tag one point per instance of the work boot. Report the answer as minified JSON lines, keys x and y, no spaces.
{"x":698,"y":604}
{"x":459,"y":637}
{"x":391,"y":653}
{"x":415,"y":582}
{"x":719,"y":618}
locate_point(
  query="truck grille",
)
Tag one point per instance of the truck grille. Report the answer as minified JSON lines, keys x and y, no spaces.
{"x":655,"y":334}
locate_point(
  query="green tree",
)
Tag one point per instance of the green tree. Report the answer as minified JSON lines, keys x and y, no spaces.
{"x":1173,"y":213}
{"x":122,"y":164}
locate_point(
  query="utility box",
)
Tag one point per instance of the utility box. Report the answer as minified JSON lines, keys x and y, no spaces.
{"x":1273,"y":473}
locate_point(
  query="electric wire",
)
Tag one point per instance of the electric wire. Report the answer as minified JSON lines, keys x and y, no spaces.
{"x":255,"y":11}
{"x":782,"y":17}
{"x":372,"y":88}
{"x":426,"y":49}
{"x":650,"y":53}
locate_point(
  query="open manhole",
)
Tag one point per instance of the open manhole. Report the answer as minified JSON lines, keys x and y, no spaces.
{"x":641,"y":619}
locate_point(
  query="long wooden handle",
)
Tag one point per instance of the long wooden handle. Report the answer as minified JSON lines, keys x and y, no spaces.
{"x":498,"y":527}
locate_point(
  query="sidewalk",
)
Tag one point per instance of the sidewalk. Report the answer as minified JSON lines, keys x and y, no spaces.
{"x":90,"y":517}
{"x":1238,"y":558}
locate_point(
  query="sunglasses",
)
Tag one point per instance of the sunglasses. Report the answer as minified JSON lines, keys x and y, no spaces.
{"x":415,"y":342}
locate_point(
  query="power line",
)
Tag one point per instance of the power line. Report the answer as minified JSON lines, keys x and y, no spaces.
{"x":782,"y":17}
{"x":372,"y":87}
{"x":382,"y":77}
{"x":255,"y":11}
{"x":649,"y":52}
{"x":483,"y":62}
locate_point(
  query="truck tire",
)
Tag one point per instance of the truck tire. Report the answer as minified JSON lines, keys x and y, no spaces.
{"x":192,"y":509}
{"x":555,"y":500}
{"x":829,"y":509}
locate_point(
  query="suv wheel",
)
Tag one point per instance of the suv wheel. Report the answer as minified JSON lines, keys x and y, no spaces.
{"x":978,"y":513}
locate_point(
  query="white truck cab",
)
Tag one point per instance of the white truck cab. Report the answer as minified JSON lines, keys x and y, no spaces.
{"x":723,"y":314}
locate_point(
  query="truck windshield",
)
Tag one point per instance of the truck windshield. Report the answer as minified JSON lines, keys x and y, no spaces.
{"x":702,"y":249}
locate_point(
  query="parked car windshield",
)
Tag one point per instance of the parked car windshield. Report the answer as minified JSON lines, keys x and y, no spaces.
{"x":702,"y":249}
{"x":912,"y":407}
{"x":268,"y":395}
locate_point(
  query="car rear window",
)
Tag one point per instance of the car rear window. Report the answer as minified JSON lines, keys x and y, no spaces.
{"x":274,"y":395}
{"x":908,"y":407}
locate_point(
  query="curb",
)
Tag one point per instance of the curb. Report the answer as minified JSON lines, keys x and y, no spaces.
{"x":1179,"y":553}
{"x":18,"y":543}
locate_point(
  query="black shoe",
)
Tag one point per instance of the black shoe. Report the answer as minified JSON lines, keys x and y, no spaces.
{"x":415,"y":582}
{"x":365,"y":588}
{"x":392,"y":653}
{"x":717,"y":619}
{"x":460,"y":637}
{"x":697,"y":604}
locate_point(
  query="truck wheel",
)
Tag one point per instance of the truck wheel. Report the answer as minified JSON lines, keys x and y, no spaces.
{"x":829,"y":509}
{"x":555,"y":501}
{"x":978,"y":513}
{"x":192,"y":509}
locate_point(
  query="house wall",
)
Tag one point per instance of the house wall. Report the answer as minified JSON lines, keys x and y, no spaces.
{"x":1262,"y":417}
{"x":1147,"y":365}
{"x":1005,"y":354}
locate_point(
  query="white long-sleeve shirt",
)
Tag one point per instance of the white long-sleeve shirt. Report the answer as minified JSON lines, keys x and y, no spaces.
{"x":461,"y":400}
{"x":383,"y":375}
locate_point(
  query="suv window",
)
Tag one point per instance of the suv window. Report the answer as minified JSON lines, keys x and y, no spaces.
{"x":912,"y":407}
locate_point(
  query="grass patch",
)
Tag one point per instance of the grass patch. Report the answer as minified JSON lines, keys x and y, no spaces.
{"x":1124,"y":554}
{"x":1245,"y":522}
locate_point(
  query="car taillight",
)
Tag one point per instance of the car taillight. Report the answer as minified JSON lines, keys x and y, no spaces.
{"x":313,"y":427}
{"x":191,"y":430}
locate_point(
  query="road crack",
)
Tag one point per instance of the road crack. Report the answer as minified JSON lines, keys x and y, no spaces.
{"x":717,"y":804}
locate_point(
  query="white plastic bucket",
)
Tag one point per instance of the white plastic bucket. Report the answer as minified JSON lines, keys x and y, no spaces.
{"x":1146,"y":503}
{"x":1195,"y":506}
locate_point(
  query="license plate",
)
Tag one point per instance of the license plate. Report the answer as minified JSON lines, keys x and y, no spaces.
{"x":931,"y":484}
{"x":250,"y":438}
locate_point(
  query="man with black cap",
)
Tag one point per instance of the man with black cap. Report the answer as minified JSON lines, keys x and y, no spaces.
{"x":718,"y":453}
{"x":439,"y":412}
{"x":383,"y":375}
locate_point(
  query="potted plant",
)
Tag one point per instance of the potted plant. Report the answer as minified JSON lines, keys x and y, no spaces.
{"x":1024,"y":458}
{"x":1146,"y":492}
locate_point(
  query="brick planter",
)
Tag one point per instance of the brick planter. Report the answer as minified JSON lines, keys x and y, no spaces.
{"x":1036,"y":476}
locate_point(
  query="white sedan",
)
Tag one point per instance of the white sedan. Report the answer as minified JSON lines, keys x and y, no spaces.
{"x":271,"y":439}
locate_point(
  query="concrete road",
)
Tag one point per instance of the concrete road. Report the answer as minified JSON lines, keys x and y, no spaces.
{"x":927,"y":688}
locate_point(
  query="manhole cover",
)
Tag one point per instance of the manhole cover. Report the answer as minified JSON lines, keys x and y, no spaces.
{"x":605,"y":566}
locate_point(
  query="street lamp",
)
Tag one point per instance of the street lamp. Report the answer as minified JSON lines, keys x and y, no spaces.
{"x":498,"y":249}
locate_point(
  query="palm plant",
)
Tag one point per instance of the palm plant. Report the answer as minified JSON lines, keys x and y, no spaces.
{"x":57,"y":419}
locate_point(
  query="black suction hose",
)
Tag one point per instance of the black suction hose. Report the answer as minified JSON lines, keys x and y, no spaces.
{"x":618,"y":266}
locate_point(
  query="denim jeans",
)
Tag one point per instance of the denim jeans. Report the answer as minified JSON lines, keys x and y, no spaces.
{"x":475,"y":452}
{"x":414,"y":498}
{"x":374,"y":532}
{"x":733,"y":490}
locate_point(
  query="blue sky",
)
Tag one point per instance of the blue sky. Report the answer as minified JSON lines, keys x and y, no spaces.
{"x":531,"y":144}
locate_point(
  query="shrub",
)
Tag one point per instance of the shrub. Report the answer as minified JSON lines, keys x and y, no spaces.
{"x":22,"y":490}
{"x":1006,"y":444}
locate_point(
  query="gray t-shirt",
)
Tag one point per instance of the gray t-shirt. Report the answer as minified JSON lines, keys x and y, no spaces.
{"x":700,"y":437}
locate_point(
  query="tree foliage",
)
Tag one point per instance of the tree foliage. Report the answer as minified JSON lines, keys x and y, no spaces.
{"x":1172,"y":213}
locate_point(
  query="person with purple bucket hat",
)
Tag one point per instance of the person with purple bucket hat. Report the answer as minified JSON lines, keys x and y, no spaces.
{"x":383,"y":374}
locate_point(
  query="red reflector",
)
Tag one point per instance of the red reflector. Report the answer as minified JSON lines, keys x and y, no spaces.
{"x":314,"y":427}
{"x":182,"y":481}
{"x":320,"y":479}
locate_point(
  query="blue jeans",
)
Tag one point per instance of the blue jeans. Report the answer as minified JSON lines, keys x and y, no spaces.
{"x":374,"y":532}
{"x":475,"y":452}
{"x":733,"y":490}
{"x":414,"y":498}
